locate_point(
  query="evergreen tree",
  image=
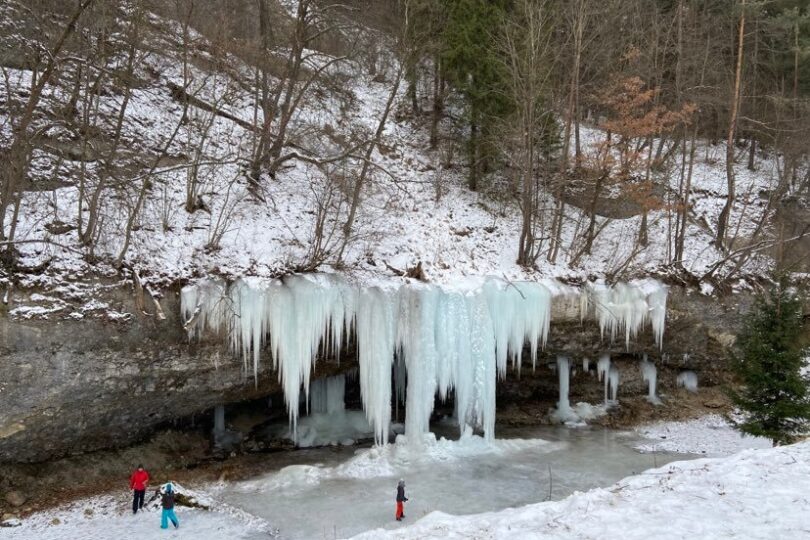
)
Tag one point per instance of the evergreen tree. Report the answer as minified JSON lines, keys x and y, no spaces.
{"x":472,"y":66}
{"x":774,"y":396}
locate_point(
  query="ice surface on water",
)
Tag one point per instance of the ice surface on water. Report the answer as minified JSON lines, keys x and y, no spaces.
{"x":689,"y":380}
{"x":344,"y":492}
{"x":458,"y":340}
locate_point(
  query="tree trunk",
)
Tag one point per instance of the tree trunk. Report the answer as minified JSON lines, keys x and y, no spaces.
{"x":722,"y":222}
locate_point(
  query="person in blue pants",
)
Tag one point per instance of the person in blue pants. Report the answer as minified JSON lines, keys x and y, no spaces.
{"x":167,"y":502}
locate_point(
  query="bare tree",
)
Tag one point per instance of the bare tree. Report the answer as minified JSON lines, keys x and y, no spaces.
{"x":722,"y":221}
{"x":16,"y":155}
{"x":525,"y":47}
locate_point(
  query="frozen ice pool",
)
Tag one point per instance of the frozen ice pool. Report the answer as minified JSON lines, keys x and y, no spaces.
{"x":339,"y":492}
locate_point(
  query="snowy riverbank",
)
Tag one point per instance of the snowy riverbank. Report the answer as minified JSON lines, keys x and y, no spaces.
{"x":710,"y":435}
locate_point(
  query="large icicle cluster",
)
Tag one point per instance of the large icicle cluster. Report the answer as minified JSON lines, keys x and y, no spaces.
{"x":626,"y":307}
{"x":435,"y":340}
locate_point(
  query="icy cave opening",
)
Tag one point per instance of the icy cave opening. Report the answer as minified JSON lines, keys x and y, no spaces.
{"x":414,"y":341}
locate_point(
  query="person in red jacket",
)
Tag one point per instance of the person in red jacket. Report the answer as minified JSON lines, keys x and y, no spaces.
{"x":137,"y":483}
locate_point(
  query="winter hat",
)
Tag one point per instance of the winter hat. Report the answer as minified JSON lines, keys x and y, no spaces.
{"x":169,"y":488}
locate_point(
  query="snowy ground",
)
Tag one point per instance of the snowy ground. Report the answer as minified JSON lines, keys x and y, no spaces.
{"x":109,"y":516}
{"x":754,"y":494}
{"x":340,"y":492}
{"x":709,"y":435}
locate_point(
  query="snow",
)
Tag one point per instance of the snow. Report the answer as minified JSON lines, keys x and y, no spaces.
{"x":110,"y":516}
{"x":709,"y":435}
{"x":757,"y":494}
{"x":459,"y":338}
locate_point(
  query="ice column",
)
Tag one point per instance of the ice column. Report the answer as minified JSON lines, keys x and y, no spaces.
{"x":219,"y":421}
{"x":649,"y":374}
{"x":688,"y":379}
{"x":376,"y":331}
{"x":416,"y":338}
{"x":327,"y":395}
{"x":613,"y":382}
{"x":602,"y":369}
{"x":563,"y":370}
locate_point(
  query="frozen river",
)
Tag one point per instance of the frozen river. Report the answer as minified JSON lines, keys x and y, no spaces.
{"x":339,"y":492}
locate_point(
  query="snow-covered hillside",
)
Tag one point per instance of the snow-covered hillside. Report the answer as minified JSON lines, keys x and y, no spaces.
{"x":416,"y":208}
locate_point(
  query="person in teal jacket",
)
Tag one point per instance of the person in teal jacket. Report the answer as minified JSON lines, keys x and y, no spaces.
{"x":167,"y":502}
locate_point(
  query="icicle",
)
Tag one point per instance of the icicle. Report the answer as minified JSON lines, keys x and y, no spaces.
{"x":602,"y":369}
{"x":416,"y":338}
{"x":689,"y":380}
{"x":375,"y":329}
{"x":563,"y":370}
{"x":482,"y":351}
{"x":649,"y":374}
{"x":443,"y":340}
{"x":613,"y":380}
{"x":626,"y":307}
{"x":586,"y":365}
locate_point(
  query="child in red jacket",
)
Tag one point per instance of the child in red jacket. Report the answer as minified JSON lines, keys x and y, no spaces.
{"x":137,"y":483}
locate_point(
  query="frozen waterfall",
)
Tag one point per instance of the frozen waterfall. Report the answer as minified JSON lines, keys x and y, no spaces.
{"x":436,"y":340}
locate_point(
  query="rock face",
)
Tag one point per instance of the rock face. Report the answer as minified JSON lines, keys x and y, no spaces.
{"x":71,"y":386}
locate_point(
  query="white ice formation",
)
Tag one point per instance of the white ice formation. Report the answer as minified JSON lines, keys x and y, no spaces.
{"x":563,"y":368}
{"x":327,"y":395}
{"x":613,"y":383}
{"x":689,"y":380}
{"x":650,"y":374}
{"x":434,"y":339}
{"x":626,"y":307}
{"x":602,"y":369}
